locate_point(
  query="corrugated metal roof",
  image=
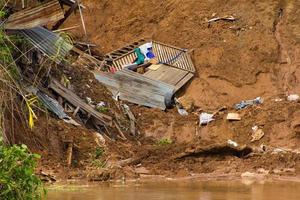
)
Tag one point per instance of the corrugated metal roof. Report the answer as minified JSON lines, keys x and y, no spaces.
{"x":138,"y":89}
{"x":51,"y":44}
{"x":52,"y":105}
{"x":36,"y":16}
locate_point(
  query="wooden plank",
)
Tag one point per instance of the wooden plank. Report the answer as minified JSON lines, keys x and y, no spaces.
{"x":183,"y":81}
{"x":36,"y":16}
{"x":78,"y":102}
{"x":167,"y":74}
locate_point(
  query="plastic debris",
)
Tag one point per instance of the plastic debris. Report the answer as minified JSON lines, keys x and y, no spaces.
{"x":205,"y":118}
{"x":182,"y":112}
{"x":245,"y":104}
{"x":278,"y":100}
{"x":233,"y":117}
{"x":233,"y":143}
{"x":257,"y":133}
{"x":293,"y":97}
{"x":101,"y":104}
{"x":89,"y":100}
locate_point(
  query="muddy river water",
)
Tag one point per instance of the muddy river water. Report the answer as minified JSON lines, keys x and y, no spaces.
{"x":187,"y":190}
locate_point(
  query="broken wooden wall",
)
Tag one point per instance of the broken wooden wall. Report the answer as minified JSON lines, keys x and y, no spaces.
{"x":37,"y":16}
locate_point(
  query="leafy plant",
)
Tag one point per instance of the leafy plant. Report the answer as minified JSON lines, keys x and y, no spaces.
{"x":17,"y":178}
{"x":97,"y":159}
{"x":102,"y":109}
{"x":164,"y":141}
{"x":99,"y":152}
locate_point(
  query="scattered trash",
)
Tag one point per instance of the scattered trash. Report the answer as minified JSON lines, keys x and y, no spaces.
{"x":146,"y":50}
{"x":180,"y":108}
{"x":278,"y":100}
{"x":89,"y":100}
{"x":245,"y":104}
{"x":101,"y":107}
{"x":278,"y":150}
{"x":182,"y":112}
{"x":257,"y":133}
{"x":233,"y":143}
{"x":224,"y":18}
{"x":101,"y":104}
{"x":205,"y":118}
{"x":254,"y":128}
{"x":233,"y":117}
{"x":293,"y":97}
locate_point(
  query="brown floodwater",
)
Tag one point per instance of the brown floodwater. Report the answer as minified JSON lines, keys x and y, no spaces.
{"x":187,"y":190}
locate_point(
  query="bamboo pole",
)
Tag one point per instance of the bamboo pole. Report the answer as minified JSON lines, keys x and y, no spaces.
{"x":83,"y":25}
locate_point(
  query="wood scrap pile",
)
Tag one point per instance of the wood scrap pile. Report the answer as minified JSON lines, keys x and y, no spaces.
{"x":38,"y":22}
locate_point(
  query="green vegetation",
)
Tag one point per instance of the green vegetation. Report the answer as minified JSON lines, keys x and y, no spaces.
{"x":97,"y":159}
{"x":99,"y":152}
{"x":17,"y":179}
{"x":102,"y":109}
{"x":164,"y":141}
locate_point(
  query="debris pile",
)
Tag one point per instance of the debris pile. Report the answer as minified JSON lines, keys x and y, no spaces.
{"x":134,"y":108}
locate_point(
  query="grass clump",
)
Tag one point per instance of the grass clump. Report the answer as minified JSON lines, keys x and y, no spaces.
{"x":98,"y":158}
{"x":164,"y":142}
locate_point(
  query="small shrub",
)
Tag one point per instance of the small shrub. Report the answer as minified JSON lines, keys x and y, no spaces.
{"x":99,"y":152}
{"x":164,"y":141}
{"x":97,"y":159}
{"x":17,"y":178}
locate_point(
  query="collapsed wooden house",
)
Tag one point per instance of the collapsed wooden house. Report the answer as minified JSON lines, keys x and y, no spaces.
{"x":156,"y":86}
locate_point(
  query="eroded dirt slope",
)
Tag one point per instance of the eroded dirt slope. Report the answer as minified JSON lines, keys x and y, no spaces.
{"x":257,"y":55}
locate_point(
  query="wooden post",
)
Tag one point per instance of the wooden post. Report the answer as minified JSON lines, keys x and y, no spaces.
{"x":67,"y":14}
{"x":83,"y":24}
{"x":70,"y":154}
{"x":69,"y":144}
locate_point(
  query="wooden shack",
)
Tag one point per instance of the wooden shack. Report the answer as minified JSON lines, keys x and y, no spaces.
{"x":158,"y":83}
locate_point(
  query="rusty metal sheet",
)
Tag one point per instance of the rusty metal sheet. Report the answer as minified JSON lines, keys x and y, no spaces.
{"x":37,"y":16}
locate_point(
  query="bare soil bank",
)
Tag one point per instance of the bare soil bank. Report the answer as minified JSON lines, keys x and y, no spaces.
{"x":257,"y":55}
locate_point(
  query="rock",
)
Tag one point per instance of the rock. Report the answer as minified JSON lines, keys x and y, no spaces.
{"x":263,"y":171}
{"x":277,"y":171}
{"x":187,"y":103}
{"x":289,"y":170}
{"x":142,"y":170}
{"x":253,"y":175}
{"x":99,"y":139}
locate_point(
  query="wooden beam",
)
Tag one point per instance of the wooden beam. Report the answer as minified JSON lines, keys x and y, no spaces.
{"x":76,"y":101}
{"x":67,"y":14}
